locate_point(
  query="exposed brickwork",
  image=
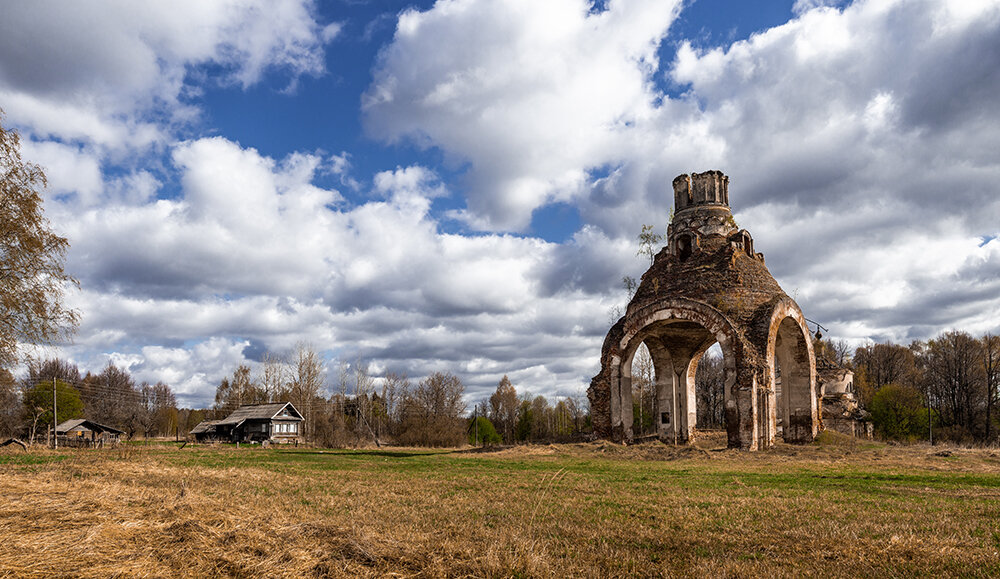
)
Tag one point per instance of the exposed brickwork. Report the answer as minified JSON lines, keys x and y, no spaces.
{"x":708,"y":276}
{"x":840,"y":409}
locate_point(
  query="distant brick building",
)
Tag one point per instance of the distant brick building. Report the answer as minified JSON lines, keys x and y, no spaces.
{"x":838,"y":402}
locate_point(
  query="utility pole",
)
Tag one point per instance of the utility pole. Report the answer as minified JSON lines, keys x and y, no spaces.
{"x":55,"y":435}
{"x":930,"y":426}
{"x":930,"y":419}
{"x":475,"y":414}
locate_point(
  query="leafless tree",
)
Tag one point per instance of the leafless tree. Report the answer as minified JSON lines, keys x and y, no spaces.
{"x":563,"y":416}
{"x":541,"y":418}
{"x":580,"y":406}
{"x":239,"y":390}
{"x":273,"y":377}
{"x":159,"y":409}
{"x":956,"y":378}
{"x":991,"y":371}
{"x":308,"y":383}
{"x":876,"y":365}
{"x":710,"y":392}
{"x":643,"y":390}
{"x":839,"y":351}
{"x":111,"y":398}
{"x":503,"y":409}
{"x":343,"y":378}
{"x":395,"y":388}
{"x":630,"y":285}
{"x":45,"y":371}
{"x":432,"y":413}
{"x":364,"y":390}
{"x":615,"y":313}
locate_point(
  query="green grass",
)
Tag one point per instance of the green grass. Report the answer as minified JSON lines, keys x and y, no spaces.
{"x":597,"y":509}
{"x":29,"y":459}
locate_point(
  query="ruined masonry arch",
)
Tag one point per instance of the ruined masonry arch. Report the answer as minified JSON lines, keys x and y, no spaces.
{"x":676,"y":347}
{"x":709,"y":285}
{"x":793,"y":395}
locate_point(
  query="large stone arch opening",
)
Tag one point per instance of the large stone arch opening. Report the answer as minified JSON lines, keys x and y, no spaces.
{"x":710,"y":390}
{"x":793,"y":376}
{"x":643,"y":375}
{"x":677,"y":337}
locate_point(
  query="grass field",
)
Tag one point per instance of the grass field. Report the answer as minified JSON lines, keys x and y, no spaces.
{"x":596,"y":509}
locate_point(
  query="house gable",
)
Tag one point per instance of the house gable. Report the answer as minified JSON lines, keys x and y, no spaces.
{"x":287,"y":412}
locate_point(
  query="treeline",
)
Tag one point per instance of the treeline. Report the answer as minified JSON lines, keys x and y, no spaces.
{"x":355,"y":408}
{"x":359,"y":408}
{"x":527,"y":418}
{"x":111,"y":397}
{"x":945,"y":387}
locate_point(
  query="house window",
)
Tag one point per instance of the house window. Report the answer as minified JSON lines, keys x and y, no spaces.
{"x":293,"y":428}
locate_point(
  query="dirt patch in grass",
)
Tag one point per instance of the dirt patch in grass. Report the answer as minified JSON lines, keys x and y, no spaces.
{"x":837,"y":508}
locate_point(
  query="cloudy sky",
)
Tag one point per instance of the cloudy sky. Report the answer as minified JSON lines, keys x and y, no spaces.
{"x":458,"y":185}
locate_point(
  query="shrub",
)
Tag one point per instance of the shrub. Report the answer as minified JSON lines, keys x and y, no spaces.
{"x":898,"y":412}
{"x":483,"y":429}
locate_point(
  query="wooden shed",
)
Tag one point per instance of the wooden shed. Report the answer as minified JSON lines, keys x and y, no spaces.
{"x":83,"y":432}
{"x":205,"y":431}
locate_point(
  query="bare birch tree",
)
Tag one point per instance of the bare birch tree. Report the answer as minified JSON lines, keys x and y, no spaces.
{"x":273,"y":377}
{"x":32,"y":279}
{"x":241,"y":389}
{"x":503,"y":409}
{"x":307,"y":385}
{"x":395,"y":389}
{"x":643,"y":390}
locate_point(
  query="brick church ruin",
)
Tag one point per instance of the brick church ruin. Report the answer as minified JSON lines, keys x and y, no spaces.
{"x":709,"y":285}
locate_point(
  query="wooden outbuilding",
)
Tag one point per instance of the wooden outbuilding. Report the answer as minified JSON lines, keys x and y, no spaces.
{"x":205,"y":431}
{"x":83,"y":432}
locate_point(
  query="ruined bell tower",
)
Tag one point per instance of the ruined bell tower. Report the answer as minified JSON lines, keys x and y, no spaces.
{"x":707,"y":286}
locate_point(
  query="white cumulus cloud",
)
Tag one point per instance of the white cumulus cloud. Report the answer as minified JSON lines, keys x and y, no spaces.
{"x":531,"y":94}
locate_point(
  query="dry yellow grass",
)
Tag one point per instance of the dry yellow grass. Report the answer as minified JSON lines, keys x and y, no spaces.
{"x":599,"y":509}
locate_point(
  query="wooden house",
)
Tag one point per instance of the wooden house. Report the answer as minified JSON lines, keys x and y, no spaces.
{"x":83,"y":432}
{"x":277,"y":422}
